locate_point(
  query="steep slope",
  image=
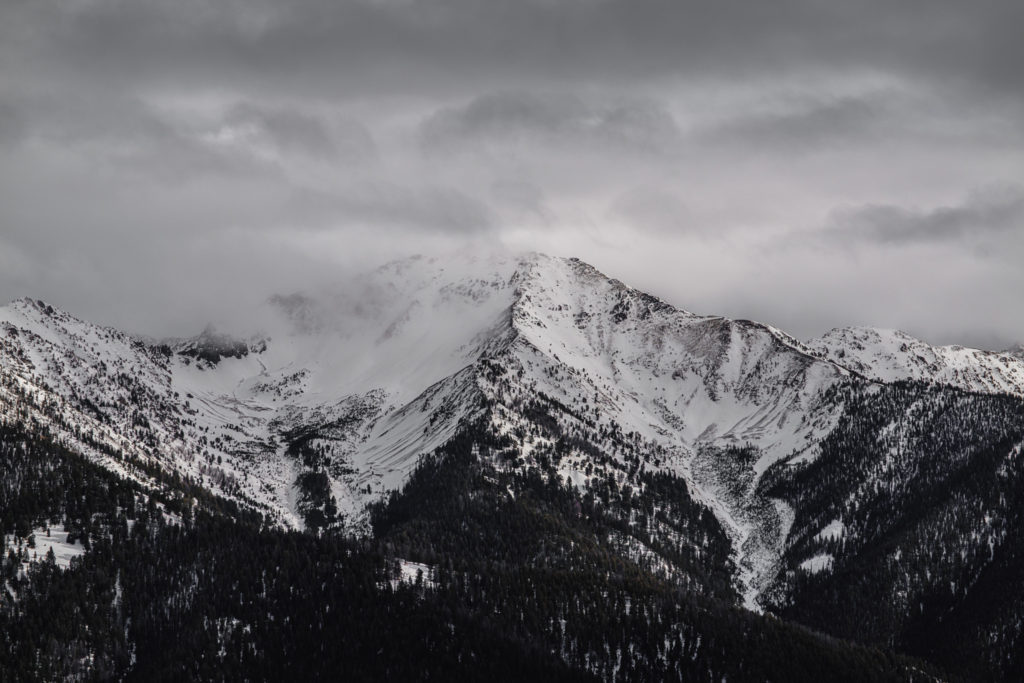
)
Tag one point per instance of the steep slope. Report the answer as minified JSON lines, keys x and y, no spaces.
{"x":668,"y":391}
{"x":513,"y":587}
{"x":890,"y":355}
{"x":376,"y":371}
{"x":907,"y":528}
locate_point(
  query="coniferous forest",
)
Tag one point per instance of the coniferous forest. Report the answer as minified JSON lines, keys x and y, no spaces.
{"x":527,"y":578}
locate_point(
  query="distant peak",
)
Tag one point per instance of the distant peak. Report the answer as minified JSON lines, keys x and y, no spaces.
{"x":36,"y":304}
{"x":37,"y":308}
{"x":1016,"y":350}
{"x":863,"y":332}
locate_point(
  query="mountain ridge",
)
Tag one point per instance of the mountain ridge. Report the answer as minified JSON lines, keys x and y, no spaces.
{"x":351,"y":387}
{"x":888,"y":355}
{"x":494,"y":418}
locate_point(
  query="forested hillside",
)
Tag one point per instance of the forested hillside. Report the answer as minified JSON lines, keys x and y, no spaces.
{"x":907,"y":528}
{"x":526,"y":580}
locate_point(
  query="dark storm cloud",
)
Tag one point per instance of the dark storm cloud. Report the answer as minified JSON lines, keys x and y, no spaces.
{"x":124,"y":131}
{"x":983,"y":214}
{"x":287,"y":129}
{"x":551,"y":118}
{"x":807,"y":125}
{"x":160,"y":150}
{"x":396,"y":43}
{"x":291,"y":130}
{"x":433,"y":209}
{"x":12,"y":123}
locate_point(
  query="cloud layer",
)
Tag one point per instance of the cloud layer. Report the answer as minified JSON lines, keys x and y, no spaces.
{"x":811,"y":164}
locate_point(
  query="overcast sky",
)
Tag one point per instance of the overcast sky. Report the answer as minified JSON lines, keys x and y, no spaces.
{"x":806,"y":163}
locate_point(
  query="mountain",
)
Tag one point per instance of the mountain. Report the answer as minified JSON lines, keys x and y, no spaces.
{"x":513,"y":421}
{"x":906,"y":528}
{"x":889,"y":355}
{"x":358,"y":382}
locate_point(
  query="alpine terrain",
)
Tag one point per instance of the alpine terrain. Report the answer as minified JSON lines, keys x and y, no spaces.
{"x":505,"y":466}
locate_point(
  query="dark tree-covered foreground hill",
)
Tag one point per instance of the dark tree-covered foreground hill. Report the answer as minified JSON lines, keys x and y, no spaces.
{"x":531,"y":584}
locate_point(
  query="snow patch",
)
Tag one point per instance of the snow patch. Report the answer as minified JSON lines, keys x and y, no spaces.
{"x":57,"y":540}
{"x":408,"y":571}
{"x":818,"y":563}
{"x":833,"y":531}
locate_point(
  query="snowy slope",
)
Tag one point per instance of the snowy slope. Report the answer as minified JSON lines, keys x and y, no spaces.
{"x":679,"y":385}
{"x":889,"y":355}
{"x":672,"y":375}
{"x":356,"y":382}
{"x":370,"y":375}
{"x":376,"y":368}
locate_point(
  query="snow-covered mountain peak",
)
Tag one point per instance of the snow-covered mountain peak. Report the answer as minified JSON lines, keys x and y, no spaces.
{"x":38,"y":314}
{"x":357,"y":381}
{"x":890,"y":355}
{"x":385,"y":365}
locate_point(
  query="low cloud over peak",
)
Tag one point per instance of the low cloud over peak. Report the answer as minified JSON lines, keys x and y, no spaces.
{"x":561,"y":119}
{"x":165,"y":159}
